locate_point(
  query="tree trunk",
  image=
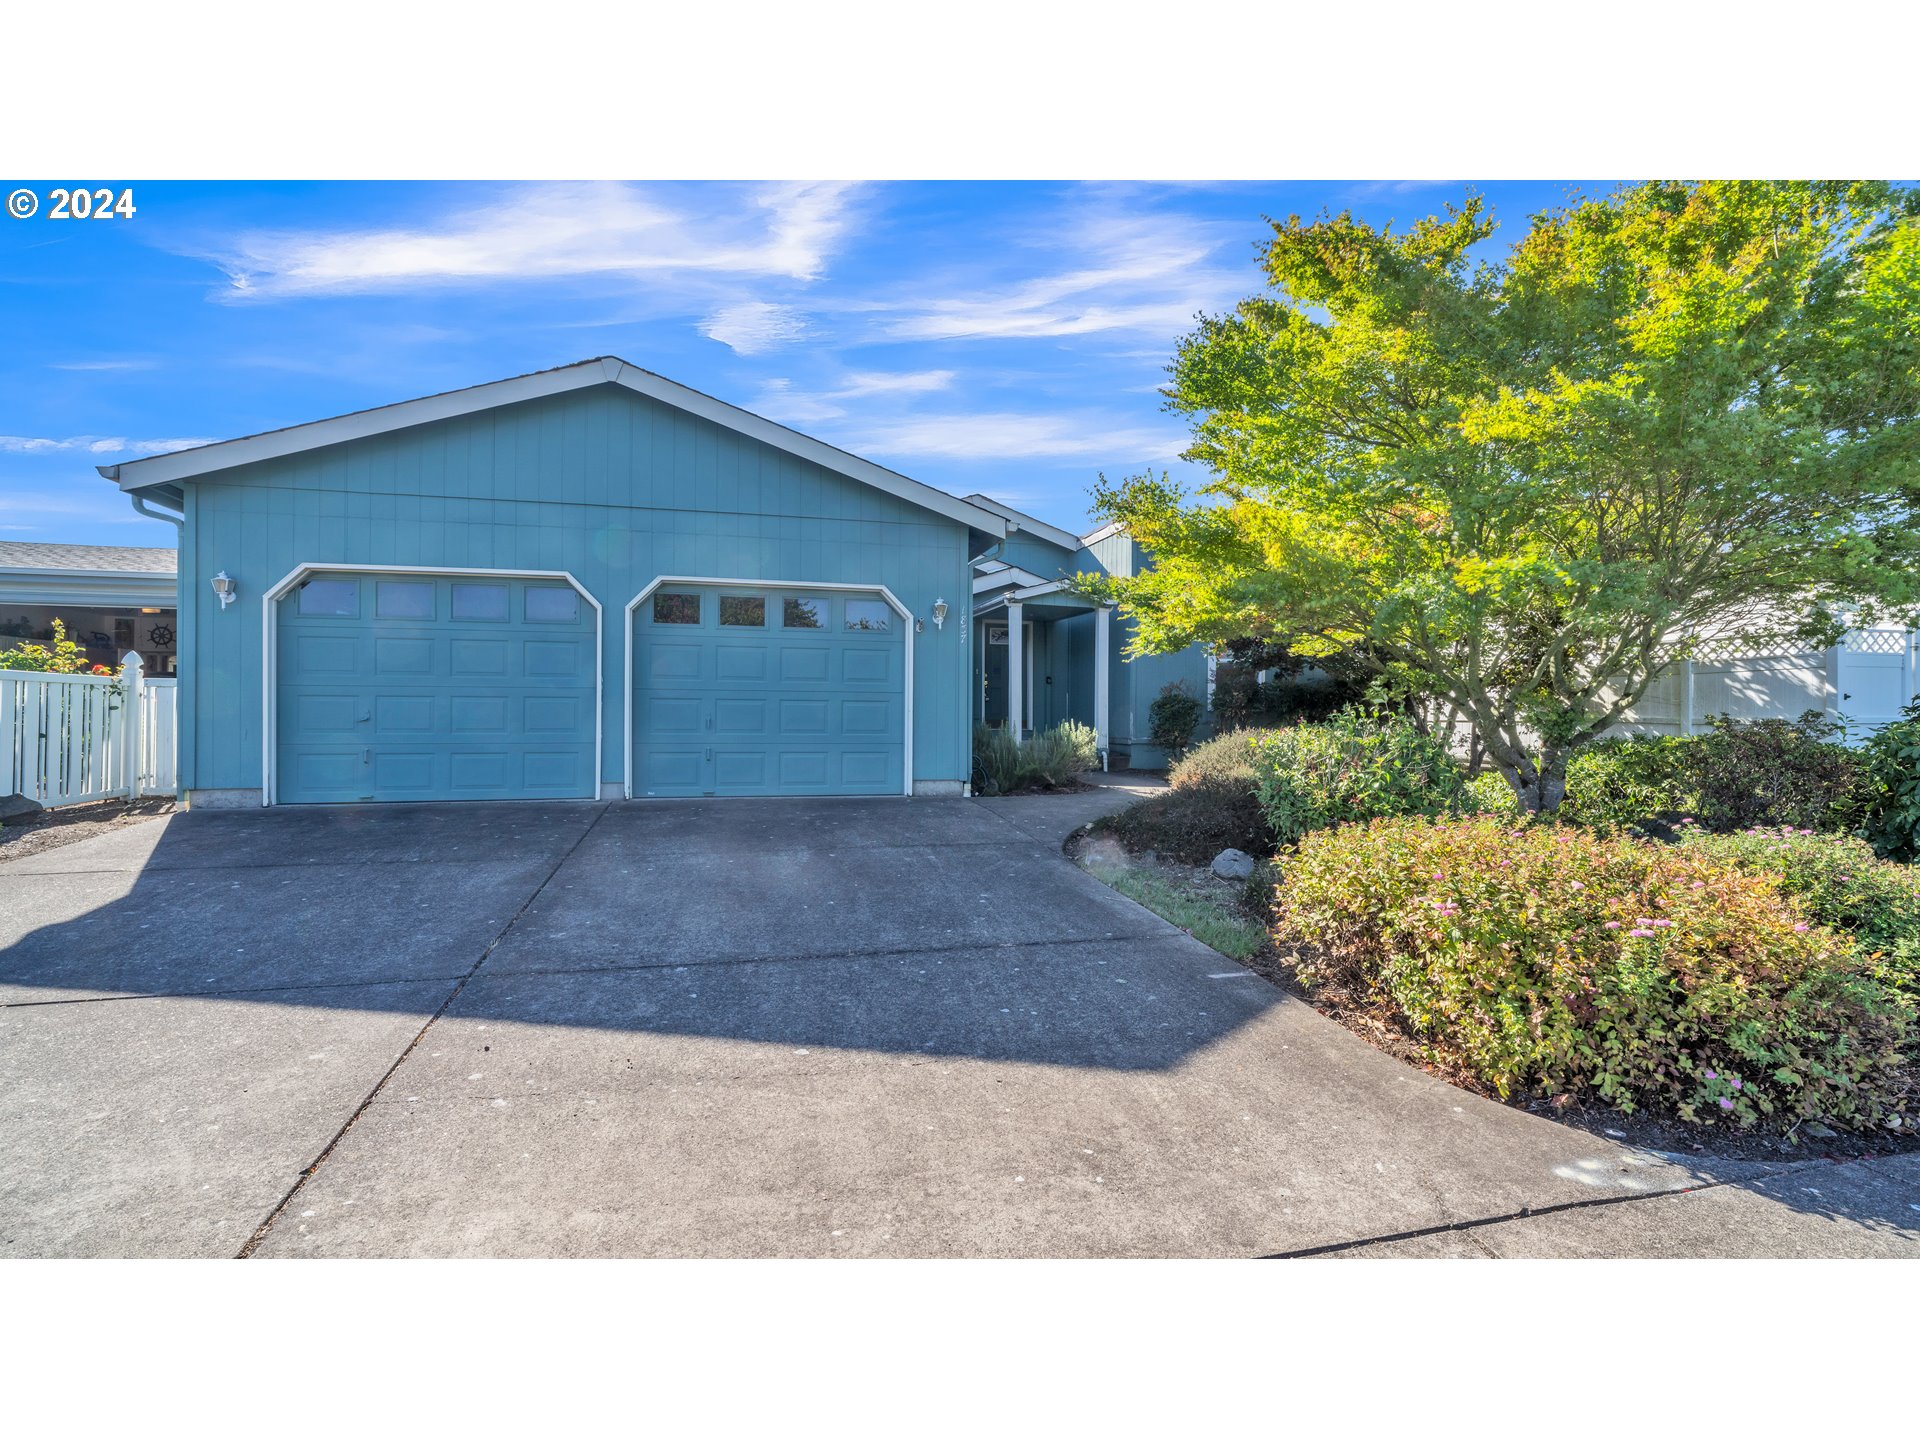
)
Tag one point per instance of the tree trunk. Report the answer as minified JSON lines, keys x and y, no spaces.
{"x":1540,"y":782}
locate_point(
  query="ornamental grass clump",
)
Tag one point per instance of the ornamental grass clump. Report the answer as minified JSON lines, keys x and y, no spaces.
{"x":1557,"y":960}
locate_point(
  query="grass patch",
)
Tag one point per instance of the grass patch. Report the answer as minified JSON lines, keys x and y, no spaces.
{"x":1208,"y":912}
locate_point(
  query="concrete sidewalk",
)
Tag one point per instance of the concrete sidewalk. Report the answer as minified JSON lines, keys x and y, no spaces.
{"x":893,"y":1027}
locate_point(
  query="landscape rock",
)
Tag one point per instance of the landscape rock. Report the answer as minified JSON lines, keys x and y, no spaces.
{"x":18,"y":809}
{"x":1233,"y":864}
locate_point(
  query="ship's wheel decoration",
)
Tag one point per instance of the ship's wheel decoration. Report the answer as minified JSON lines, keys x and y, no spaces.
{"x":161,"y":635}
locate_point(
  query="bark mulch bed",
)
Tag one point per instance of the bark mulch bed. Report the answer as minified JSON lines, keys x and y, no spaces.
{"x":53,"y":828}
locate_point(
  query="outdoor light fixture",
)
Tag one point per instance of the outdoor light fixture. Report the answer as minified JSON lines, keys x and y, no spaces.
{"x":224,"y":587}
{"x":939,"y":614}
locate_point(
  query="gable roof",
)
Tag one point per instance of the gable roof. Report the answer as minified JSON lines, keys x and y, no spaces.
{"x":604,"y":370}
{"x":111,"y":559}
{"x":1053,"y":534}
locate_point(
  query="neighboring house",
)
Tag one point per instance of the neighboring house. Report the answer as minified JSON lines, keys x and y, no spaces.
{"x":111,"y":598}
{"x":1048,"y":655}
{"x":593,"y":581}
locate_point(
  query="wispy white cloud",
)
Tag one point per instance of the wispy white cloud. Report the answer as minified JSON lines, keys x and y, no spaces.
{"x":1009,"y":436}
{"x":537,"y":232}
{"x":104,"y":365}
{"x":92,"y":445}
{"x":779,"y":399}
{"x":1144,"y":275}
{"x":753,"y":326}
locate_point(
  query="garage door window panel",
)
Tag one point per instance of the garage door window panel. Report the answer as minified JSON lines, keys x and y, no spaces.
{"x":672,"y":607}
{"x":744,"y":611}
{"x":339,"y":599}
{"x":552,"y":605}
{"x":873,"y":616}
{"x":803,"y":613}
{"x":480,"y":602}
{"x":403,"y":600}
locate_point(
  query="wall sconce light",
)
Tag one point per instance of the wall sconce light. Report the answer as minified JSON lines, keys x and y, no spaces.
{"x":939,"y":614}
{"x":224,"y":587}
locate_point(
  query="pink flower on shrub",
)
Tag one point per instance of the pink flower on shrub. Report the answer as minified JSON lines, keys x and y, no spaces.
{"x":1687,"y":820}
{"x":1643,"y":934}
{"x":1735,"y":1082}
{"x":1725,"y":1104}
{"x":1712,"y":1076}
{"x":1578,"y":885}
{"x":1663,"y":924}
{"x":1699,"y":884}
{"x":1612,"y":925}
{"x":1799,"y":928}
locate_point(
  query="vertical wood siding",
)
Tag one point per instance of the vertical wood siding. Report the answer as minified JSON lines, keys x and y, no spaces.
{"x":611,"y":486}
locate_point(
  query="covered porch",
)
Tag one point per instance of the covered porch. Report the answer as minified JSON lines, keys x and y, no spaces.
{"x":1041,"y":655}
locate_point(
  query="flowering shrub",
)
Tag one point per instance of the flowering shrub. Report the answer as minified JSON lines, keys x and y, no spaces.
{"x":1353,"y":767}
{"x":1555,"y":958}
{"x":63,"y":657}
{"x":1840,"y":883}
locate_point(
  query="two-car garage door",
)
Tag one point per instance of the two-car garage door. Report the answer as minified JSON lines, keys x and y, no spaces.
{"x":749,"y":690}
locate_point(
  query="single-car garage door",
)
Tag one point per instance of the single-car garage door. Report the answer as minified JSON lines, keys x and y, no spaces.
{"x":742,"y":690}
{"x":431,"y":687}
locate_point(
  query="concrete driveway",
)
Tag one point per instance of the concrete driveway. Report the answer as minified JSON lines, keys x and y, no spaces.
{"x":883,"y":1027}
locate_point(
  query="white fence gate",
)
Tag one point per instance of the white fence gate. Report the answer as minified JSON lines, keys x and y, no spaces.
{"x":68,"y":739}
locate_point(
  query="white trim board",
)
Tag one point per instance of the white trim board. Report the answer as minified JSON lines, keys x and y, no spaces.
{"x":270,"y":657}
{"x":607,"y":369}
{"x":909,"y":684}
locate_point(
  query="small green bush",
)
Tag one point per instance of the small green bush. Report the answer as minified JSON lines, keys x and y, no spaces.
{"x":1892,"y":761}
{"x":1173,"y":717}
{"x":1777,"y":772}
{"x":1634,"y":780}
{"x":1841,"y":883}
{"x":1353,"y":767}
{"x":1212,"y":805}
{"x":1739,"y":774}
{"x":1047,"y":759}
{"x":1488,"y":793}
{"x":1561,"y":960}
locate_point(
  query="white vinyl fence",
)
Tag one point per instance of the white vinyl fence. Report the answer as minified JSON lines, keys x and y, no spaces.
{"x":67,"y":739}
{"x":1864,"y":682}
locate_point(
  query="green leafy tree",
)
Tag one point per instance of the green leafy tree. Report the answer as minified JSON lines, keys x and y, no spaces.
{"x":1528,"y":485}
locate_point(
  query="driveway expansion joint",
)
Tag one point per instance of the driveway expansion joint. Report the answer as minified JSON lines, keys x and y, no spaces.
{"x":254,"y":1241}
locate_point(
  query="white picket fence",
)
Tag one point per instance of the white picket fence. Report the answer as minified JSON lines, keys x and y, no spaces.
{"x":68,"y":739}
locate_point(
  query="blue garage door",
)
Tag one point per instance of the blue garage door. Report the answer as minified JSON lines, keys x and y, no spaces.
{"x":427,"y":687}
{"x":741,"y":691}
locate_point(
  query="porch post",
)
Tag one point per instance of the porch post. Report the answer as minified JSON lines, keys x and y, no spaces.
{"x":1101,"y":699}
{"x":1016,"y":669}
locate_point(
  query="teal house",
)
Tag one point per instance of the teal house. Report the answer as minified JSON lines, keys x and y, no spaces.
{"x":594,"y":582}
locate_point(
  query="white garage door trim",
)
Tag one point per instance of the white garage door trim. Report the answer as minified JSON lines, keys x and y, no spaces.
{"x":906,"y":616}
{"x":270,"y":655}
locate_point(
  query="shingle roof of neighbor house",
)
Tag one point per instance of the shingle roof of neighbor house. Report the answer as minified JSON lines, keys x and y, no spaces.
{"x":123,"y":559}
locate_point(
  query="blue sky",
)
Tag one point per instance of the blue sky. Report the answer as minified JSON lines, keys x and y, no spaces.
{"x":1005,"y":338}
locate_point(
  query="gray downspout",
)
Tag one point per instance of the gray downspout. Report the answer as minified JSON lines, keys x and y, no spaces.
{"x":145,"y":507}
